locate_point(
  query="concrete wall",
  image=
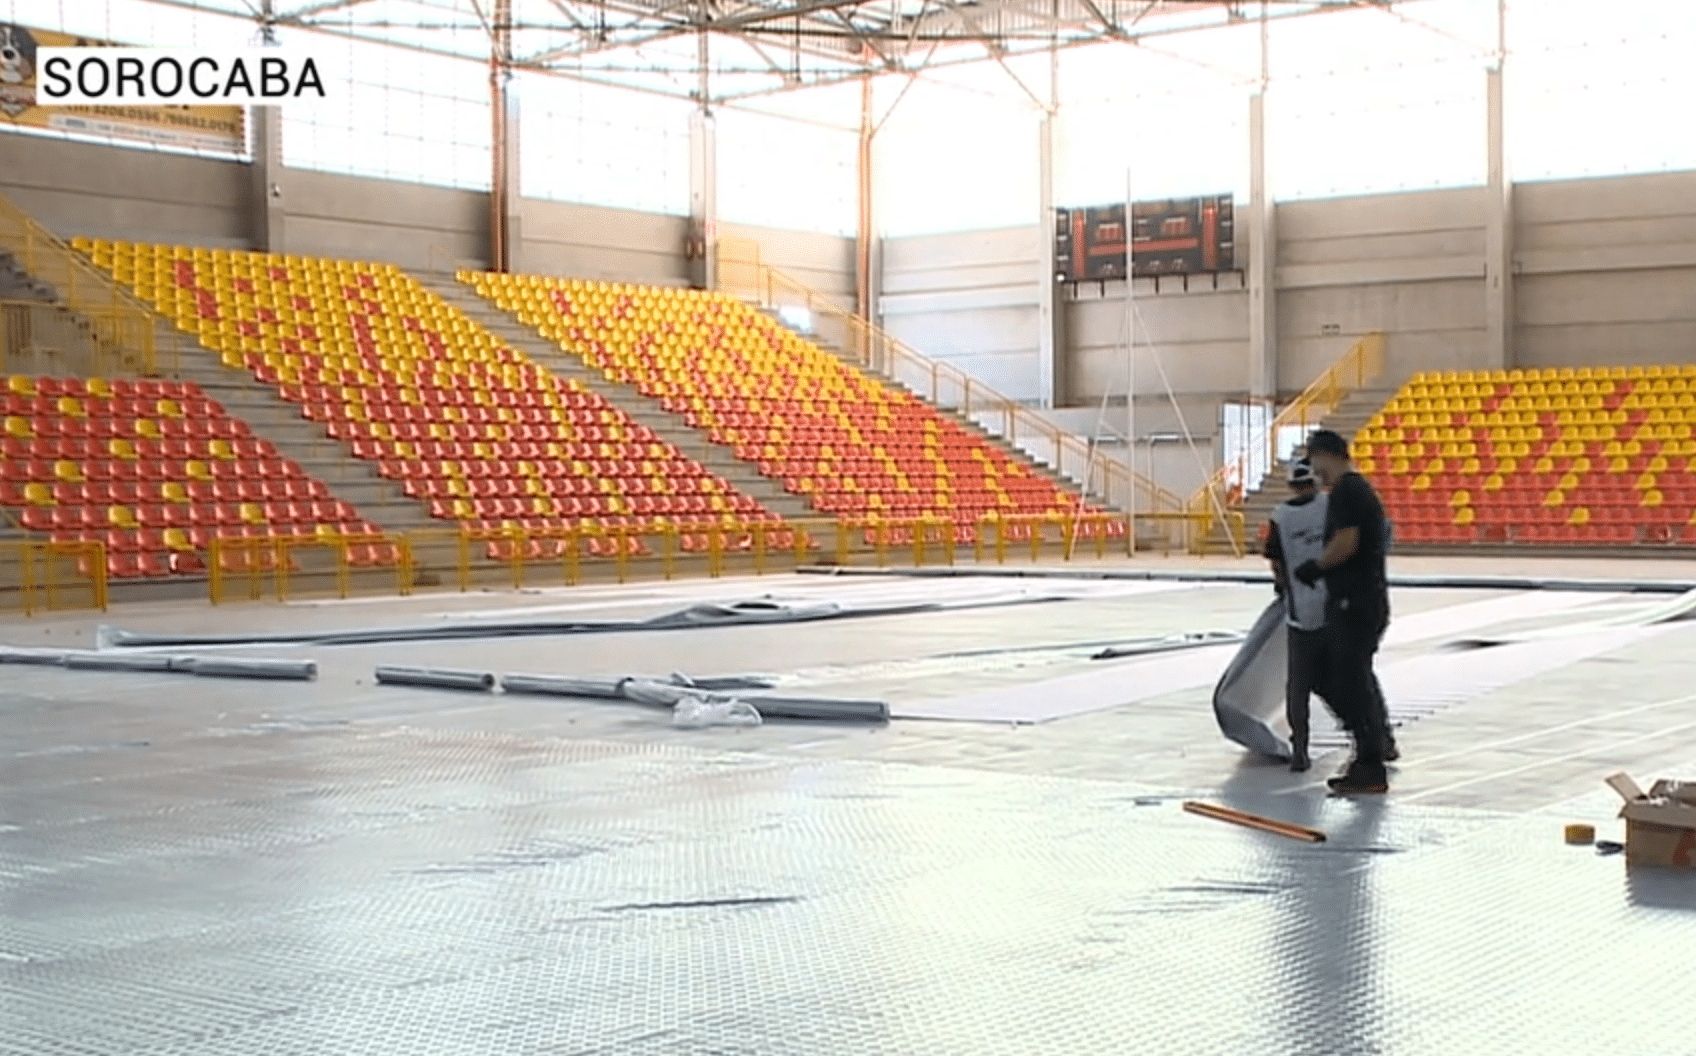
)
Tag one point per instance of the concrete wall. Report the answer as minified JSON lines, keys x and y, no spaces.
{"x":1606,"y":274}
{"x":1607,"y":271}
{"x":969,"y":299}
{"x":114,"y":192}
{"x":123,"y":193}
{"x":1411,"y":265}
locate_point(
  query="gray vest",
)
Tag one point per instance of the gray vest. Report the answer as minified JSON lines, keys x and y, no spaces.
{"x":1301,"y":536}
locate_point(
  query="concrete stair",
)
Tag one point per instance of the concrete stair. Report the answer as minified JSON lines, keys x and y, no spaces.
{"x":646,"y":410}
{"x":349,"y":479}
{"x":1035,"y":465}
{"x":1348,"y":418}
{"x":17,"y":284}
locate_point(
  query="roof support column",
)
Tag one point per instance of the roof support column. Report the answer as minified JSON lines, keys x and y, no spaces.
{"x":1051,"y":321}
{"x":866,"y":292}
{"x":1499,"y":311}
{"x":268,"y":208}
{"x":1262,"y":245}
{"x":505,"y":202}
{"x":703,"y":175}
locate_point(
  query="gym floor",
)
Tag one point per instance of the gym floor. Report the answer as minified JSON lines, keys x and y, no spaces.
{"x":198,"y":866}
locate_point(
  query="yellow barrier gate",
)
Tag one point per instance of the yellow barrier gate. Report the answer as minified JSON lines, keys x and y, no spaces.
{"x":48,"y":577}
{"x":255,"y":564}
{"x":41,"y":576}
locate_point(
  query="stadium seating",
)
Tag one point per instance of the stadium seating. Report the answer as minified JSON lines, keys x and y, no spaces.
{"x":1557,"y":456}
{"x":154,"y":470}
{"x":853,"y":446}
{"x":485,"y":438}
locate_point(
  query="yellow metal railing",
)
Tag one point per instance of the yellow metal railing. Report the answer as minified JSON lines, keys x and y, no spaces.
{"x":742,"y":275}
{"x":54,"y":339}
{"x":1227,"y":488}
{"x":119,"y":325}
{"x":518,"y":558}
{"x":257,"y":566}
{"x":39,"y":576}
{"x":48,"y":577}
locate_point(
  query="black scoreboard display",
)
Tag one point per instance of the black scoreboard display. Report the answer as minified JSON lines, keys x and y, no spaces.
{"x":1182,"y":236}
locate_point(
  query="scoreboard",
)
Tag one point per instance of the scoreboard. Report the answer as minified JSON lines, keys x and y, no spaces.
{"x":1181,"y":236}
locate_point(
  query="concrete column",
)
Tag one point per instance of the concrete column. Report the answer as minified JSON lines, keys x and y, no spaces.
{"x":703,"y":198}
{"x":1051,"y":342}
{"x":267,"y":200}
{"x":512,"y":198}
{"x":1262,"y":261}
{"x":865,"y":282}
{"x":1498,"y":225}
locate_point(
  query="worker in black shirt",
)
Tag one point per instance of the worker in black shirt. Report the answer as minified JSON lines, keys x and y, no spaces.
{"x":1357,"y":608}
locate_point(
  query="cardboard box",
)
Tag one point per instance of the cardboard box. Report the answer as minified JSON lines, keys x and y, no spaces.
{"x":1660,"y":825}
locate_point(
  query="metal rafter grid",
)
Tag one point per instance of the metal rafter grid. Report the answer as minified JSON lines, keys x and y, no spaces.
{"x":758,"y":47}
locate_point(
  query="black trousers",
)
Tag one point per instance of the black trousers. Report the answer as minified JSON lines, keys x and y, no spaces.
{"x":1351,"y":641}
{"x":1306,"y":677}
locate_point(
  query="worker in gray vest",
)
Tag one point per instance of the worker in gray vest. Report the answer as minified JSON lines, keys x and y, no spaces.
{"x":1297,"y":535}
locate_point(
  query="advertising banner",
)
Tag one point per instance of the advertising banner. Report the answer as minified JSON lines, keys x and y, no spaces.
{"x":209,"y":128}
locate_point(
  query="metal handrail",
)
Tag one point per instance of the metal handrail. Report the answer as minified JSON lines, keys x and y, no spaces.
{"x":91,"y":341}
{"x":1363,"y":362}
{"x":742,"y":274}
{"x":81,"y":286}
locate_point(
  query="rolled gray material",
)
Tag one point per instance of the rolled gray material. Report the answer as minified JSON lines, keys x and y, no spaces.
{"x":733,"y":614}
{"x":667,"y":692}
{"x":1605,"y":586}
{"x":1248,"y":701}
{"x":119,"y":662}
{"x":723,"y":682}
{"x":438,"y":678}
{"x":49,"y":657}
{"x":825,"y":708}
{"x":1170,"y":643}
{"x":561,"y":686}
{"x":238,"y":667}
{"x":661,"y":694}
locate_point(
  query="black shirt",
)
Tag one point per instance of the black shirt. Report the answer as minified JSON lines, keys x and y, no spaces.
{"x":1357,"y":587}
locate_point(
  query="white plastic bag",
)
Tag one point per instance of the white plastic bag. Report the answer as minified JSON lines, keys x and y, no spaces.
{"x":693,"y":712}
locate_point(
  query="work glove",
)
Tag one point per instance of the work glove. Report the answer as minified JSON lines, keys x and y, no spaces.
{"x":1309,"y":573}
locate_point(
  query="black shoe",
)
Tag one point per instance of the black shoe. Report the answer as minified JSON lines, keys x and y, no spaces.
{"x":1299,"y":762}
{"x":1351,"y":786}
{"x":1355,"y":783}
{"x":1391,"y":752}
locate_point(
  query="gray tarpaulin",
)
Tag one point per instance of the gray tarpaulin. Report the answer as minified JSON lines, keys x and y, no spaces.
{"x":730,"y":614}
{"x":1249,"y":698}
{"x":667,"y":692}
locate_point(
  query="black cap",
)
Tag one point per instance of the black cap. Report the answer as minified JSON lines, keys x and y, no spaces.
{"x":1327,"y":442}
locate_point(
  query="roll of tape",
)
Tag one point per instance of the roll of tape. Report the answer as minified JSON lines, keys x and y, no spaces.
{"x":1581,"y":834}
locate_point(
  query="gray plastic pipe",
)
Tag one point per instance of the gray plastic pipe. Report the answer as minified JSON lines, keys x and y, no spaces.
{"x":818,"y":708}
{"x":561,"y":686}
{"x":436,"y":678}
{"x":50,"y":657}
{"x":119,"y":661}
{"x":239,"y":667}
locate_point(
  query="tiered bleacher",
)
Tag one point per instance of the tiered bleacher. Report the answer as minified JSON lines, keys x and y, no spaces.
{"x":1557,"y":456}
{"x":852,"y":445}
{"x":486,"y":438}
{"x":156,"y":471}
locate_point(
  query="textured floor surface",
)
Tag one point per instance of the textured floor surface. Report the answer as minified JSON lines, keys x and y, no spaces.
{"x":193,"y":867}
